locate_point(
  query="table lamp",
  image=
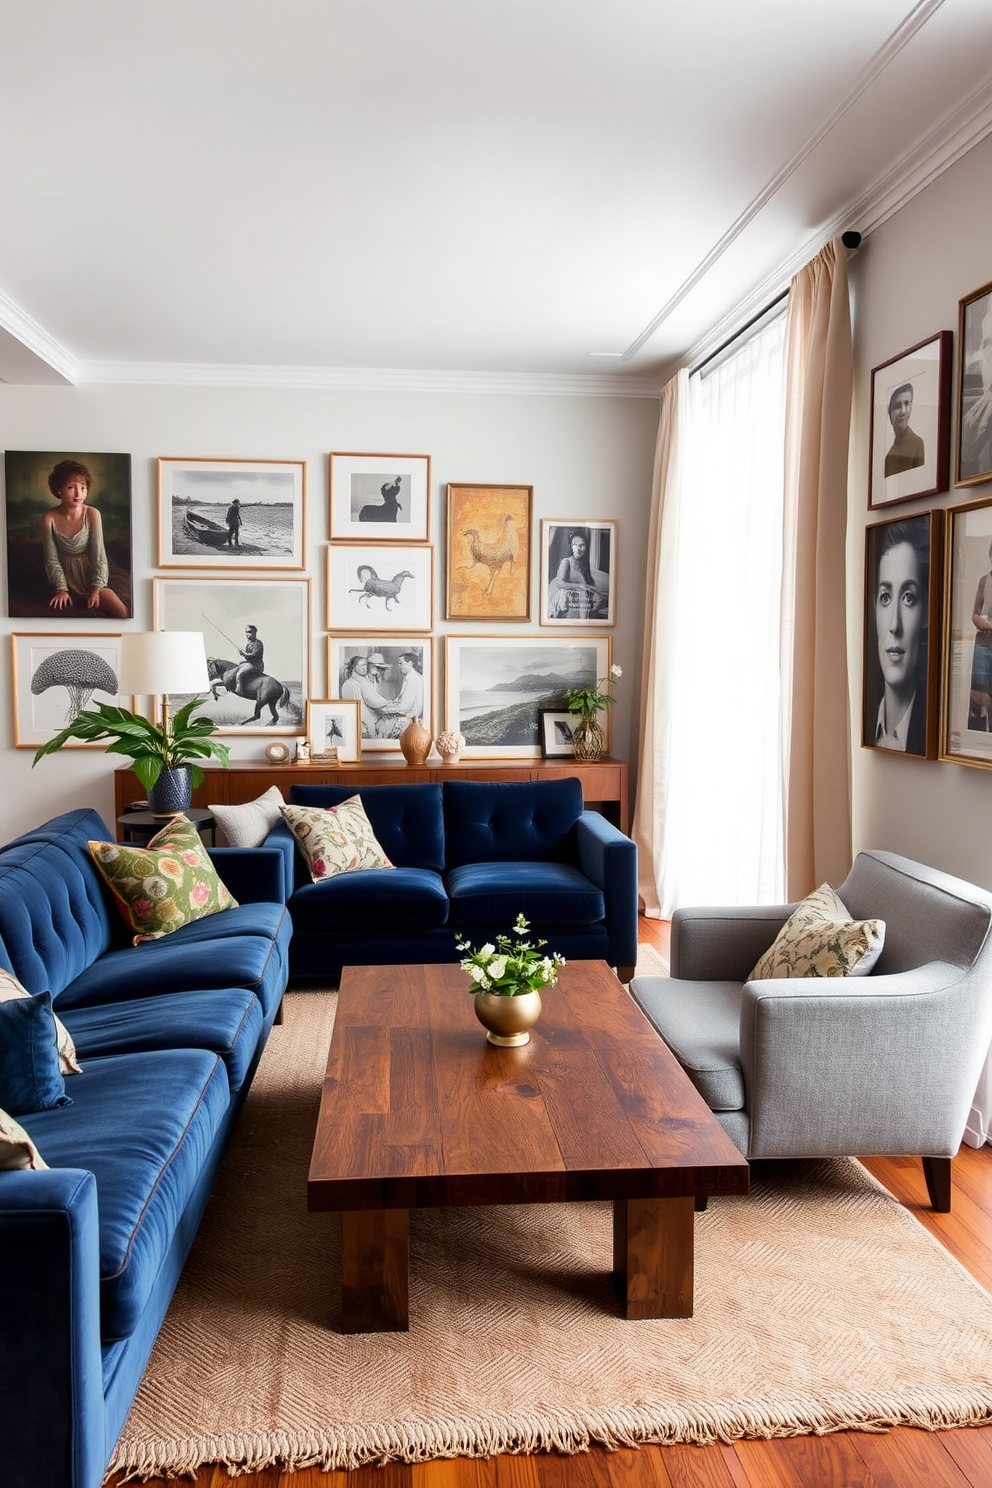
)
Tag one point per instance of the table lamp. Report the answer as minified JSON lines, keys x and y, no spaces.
{"x":160,"y":662}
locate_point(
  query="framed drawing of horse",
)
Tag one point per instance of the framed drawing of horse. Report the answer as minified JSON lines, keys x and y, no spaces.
{"x":381,"y":586}
{"x":257,"y":638}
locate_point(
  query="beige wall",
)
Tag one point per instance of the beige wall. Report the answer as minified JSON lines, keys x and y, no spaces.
{"x":584,"y":456}
{"x":907,"y":280}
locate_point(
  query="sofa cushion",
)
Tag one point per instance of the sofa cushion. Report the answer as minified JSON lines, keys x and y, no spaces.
{"x":30,"y":1077}
{"x":544,"y":893}
{"x":144,"y":1125}
{"x":16,"y":1148}
{"x":68,"y":1063}
{"x":525,"y":821}
{"x":167,"y":884}
{"x":700,"y":1023}
{"x":248,"y":825}
{"x":820,"y":939}
{"x":406,"y":819}
{"x":226,"y":1021}
{"x":335,"y":839}
{"x":383,"y":900}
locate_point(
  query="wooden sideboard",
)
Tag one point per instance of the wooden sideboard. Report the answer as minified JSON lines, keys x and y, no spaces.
{"x":604,"y":784}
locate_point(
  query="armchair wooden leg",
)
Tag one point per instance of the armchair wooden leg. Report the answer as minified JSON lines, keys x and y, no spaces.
{"x":937,"y":1172}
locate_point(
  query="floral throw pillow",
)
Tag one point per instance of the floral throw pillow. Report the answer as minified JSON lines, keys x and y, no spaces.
{"x":820,"y":939}
{"x":338,"y":839}
{"x":68,"y":1063}
{"x":168,"y":883}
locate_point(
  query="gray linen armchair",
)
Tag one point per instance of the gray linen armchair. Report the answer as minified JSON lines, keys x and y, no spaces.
{"x":886,"y":1063}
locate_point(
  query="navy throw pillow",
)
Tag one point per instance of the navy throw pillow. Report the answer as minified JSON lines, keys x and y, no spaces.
{"x":30,"y":1078}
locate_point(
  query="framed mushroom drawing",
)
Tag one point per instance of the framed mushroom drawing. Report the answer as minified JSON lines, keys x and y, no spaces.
{"x":56,"y":677}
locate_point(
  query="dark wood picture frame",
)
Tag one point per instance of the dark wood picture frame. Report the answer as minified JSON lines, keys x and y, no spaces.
{"x":902,"y":616}
{"x":907,"y":463}
{"x":973,"y":454}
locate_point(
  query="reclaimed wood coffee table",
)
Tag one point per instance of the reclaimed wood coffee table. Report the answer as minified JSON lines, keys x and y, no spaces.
{"x":419,"y":1111}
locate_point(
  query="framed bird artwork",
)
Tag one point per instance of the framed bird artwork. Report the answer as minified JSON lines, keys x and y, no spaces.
{"x":489,"y":548}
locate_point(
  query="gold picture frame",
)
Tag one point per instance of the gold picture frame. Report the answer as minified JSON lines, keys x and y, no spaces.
{"x":489,"y":552}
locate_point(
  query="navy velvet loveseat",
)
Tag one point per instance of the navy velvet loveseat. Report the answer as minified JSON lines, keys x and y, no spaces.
{"x":468,"y":856}
{"x":168,"y":1034}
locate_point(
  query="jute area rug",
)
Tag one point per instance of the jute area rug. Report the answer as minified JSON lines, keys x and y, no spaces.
{"x":821,"y":1304}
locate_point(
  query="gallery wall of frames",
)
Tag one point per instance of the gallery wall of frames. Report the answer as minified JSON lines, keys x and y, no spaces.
{"x":927,"y":688}
{"x":231,"y":562}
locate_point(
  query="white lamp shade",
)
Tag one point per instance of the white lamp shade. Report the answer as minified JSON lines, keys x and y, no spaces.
{"x":163,"y":661}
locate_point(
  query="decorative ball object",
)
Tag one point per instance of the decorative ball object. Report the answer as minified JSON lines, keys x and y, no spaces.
{"x":449,"y":745}
{"x":277,"y":753}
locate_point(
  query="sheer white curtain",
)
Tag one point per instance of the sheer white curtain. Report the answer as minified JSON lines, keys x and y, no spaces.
{"x":709,"y":819}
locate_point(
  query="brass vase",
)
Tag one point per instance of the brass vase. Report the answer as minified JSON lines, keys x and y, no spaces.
{"x":508,"y":1019}
{"x":415,"y":742}
{"x":588,"y":739}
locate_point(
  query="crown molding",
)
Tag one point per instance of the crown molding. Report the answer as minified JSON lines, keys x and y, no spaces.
{"x":369,"y":379}
{"x":38,"y":357}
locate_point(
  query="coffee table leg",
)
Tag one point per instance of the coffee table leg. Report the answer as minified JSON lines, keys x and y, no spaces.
{"x":652,"y":1256}
{"x":375,"y":1271}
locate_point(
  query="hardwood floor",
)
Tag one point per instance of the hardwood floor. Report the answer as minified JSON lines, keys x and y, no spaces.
{"x":903,"y":1458}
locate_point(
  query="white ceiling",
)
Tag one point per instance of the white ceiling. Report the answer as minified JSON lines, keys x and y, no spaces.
{"x":203,"y":189}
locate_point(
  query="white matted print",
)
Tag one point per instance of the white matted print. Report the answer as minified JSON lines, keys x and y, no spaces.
{"x":378,"y":497}
{"x":578,"y":572}
{"x":57,"y":677}
{"x":335,"y":723}
{"x":388,"y":586}
{"x":496,"y":688}
{"x":392,"y":678}
{"x":265,"y":690}
{"x":231,"y":513}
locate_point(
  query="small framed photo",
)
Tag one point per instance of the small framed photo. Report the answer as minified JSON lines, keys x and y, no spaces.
{"x":497,"y":687}
{"x":389,"y":587}
{"x":381,"y":497}
{"x":488,"y":571}
{"x":257,"y":638}
{"x":909,"y":445}
{"x":578,"y":572}
{"x":974,"y":449}
{"x":391,"y":677}
{"x":232,"y":513}
{"x":557,"y":733}
{"x":966,"y":704}
{"x":335,"y":724}
{"x":902,"y":649}
{"x":57,"y":677}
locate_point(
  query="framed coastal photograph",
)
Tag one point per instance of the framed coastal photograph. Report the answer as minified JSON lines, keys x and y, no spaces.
{"x":966,"y":702}
{"x":380,"y":497}
{"x":497,"y":686}
{"x":557,"y":728}
{"x":391,"y":677}
{"x":68,"y":535}
{"x":902,"y":614}
{"x":58,"y":676}
{"x":578,"y":572}
{"x":257,"y":637}
{"x":231,"y":513}
{"x":386,"y":586}
{"x":910,"y":428}
{"x":974,"y":447}
{"x":489,"y":544}
{"x":335,"y":724}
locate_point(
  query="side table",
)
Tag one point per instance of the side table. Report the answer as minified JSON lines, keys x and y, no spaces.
{"x":141,"y":826}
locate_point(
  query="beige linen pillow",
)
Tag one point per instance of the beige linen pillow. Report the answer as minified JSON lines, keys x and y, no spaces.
{"x":338,"y":839}
{"x":820,"y":939}
{"x":10,"y":987}
{"x":250,"y":824}
{"x":16,"y":1148}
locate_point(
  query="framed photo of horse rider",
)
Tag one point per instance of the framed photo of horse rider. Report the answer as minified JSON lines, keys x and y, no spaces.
{"x":228,"y":514}
{"x":578,"y":572}
{"x":380,"y":498}
{"x":910,"y":428}
{"x":257,"y":637}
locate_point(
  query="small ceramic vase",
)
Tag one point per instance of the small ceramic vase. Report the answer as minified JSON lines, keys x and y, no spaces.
{"x":588,"y":739}
{"x":449,"y":746}
{"x":415,"y":742}
{"x":508,"y":1019}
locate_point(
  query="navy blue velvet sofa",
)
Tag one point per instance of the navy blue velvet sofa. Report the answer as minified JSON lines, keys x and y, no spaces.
{"x":469,"y":856}
{"x":168,"y":1034}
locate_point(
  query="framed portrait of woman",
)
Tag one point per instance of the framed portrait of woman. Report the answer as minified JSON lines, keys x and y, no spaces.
{"x":901,"y":655}
{"x":578,"y":572}
{"x":966,"y":705}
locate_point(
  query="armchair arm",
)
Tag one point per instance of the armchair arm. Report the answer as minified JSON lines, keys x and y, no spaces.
{"x":51,"y":1371}
{"x":723,"y":945}
{"x":254,"y":875}
{"x":841,"y":1065}
{"x":609,"y":860}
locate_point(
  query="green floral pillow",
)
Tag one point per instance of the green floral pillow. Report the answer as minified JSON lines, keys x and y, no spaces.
{"x":338,"y":839}
{"x":166,"y":884}
{"x":68,"y":1063}
{"x":820,"y":939}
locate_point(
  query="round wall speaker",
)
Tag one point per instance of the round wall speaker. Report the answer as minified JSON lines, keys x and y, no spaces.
{"x":277,"y":753}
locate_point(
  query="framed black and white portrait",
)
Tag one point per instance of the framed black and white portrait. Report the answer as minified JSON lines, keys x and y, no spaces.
{"x":974,"y":450}
{"x":578,"y":572}
{"x":380,"y":497}
{"x":334,"y":728}
{"x":909,"y":446}
{"x":392,"y":677}
{"x":902,"y":625}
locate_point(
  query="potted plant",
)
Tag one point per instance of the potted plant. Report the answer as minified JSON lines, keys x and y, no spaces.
{"x":507,"y":978}
{"x":163,"y":757}
{"x":588,"y":737}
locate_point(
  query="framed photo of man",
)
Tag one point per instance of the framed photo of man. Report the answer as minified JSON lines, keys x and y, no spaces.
{"x":909,"y":443}
{"x":578,"y":572}
{"x":231,"y":513}
{"x":974,"y":450}
{"x":966,"y":705}
{"x":902,"y":650}
{"x":391,"y":677}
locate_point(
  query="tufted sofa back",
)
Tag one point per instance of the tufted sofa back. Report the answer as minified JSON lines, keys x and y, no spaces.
{"x":406,"y":819}
{"x":521,"y":822}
